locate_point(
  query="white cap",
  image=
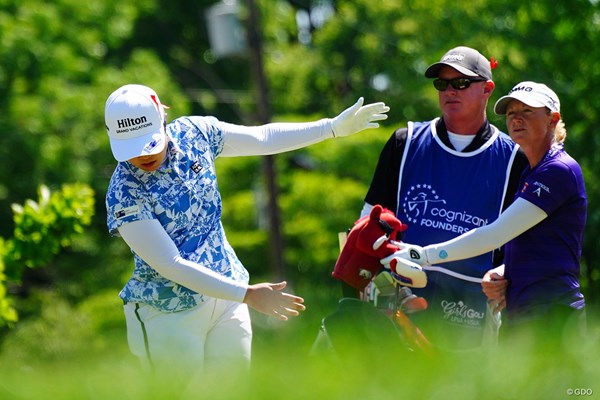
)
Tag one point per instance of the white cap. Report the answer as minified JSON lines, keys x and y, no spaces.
{"x":531,"y":93}
{"x":135,"y":122}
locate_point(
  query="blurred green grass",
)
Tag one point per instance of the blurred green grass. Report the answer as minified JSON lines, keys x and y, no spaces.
{"x":67,"y":356}
{"x":283,"y":371}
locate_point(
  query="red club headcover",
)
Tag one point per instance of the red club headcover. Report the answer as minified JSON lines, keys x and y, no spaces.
{"x":367,"y":243}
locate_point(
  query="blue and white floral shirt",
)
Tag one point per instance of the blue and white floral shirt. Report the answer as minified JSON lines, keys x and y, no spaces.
{"x":183,"y":196}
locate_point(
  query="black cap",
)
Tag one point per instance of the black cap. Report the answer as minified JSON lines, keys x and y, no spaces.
{"x":465,"y":60}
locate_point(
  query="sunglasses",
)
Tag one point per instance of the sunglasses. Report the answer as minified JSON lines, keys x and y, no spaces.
{"x":456,"y":83}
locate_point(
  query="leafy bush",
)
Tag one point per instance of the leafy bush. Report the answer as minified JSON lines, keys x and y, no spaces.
{"x":42,"y":229}
{"x":8,"y":314}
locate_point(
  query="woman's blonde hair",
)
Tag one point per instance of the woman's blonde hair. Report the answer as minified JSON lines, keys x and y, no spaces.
{"x":560,"y":132}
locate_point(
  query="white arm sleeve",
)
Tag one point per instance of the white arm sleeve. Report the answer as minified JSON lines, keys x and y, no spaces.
{"x":151,"y":242}
{"x":516,"y":219}
{"x":273,"y":138}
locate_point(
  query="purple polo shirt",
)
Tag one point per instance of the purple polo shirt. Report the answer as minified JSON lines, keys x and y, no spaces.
{"x":542,"y":264}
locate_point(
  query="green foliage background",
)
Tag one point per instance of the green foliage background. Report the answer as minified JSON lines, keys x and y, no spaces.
{"x":59,"y":61}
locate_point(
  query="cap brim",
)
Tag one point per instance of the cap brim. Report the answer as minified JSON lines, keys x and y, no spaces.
{"x":434,"y":70}
{"x":146,"y":145}
{"x":502,"y":103}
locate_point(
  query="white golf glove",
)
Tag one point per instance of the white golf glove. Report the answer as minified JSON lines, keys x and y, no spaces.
{"x":409,"y":252}
{"x":407,"y":273}
{"x":358,"y":117}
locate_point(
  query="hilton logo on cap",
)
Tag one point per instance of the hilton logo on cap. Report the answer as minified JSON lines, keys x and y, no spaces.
{"x":132,"y":124}
{"x":127,"y":122}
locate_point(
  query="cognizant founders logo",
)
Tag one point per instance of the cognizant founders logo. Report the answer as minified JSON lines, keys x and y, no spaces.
{"x":423,"y":206}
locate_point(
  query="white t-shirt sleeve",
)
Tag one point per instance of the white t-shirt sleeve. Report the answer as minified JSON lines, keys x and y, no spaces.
{"x":272,"y":138}
{"x":150,"y":241}
{"x":516,"y":219}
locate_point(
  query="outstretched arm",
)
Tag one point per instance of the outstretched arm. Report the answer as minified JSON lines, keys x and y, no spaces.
{"x":519,"y":217}
{"x":150,"y":241}
{"x":280,"y":137}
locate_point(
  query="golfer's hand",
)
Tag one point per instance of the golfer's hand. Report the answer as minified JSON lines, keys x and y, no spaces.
{"x":494,"y":287}
{"x":269,"y":299}
{"x":358,"y":117}
{"x":407,"y":273}
{"x":410,"y":252}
